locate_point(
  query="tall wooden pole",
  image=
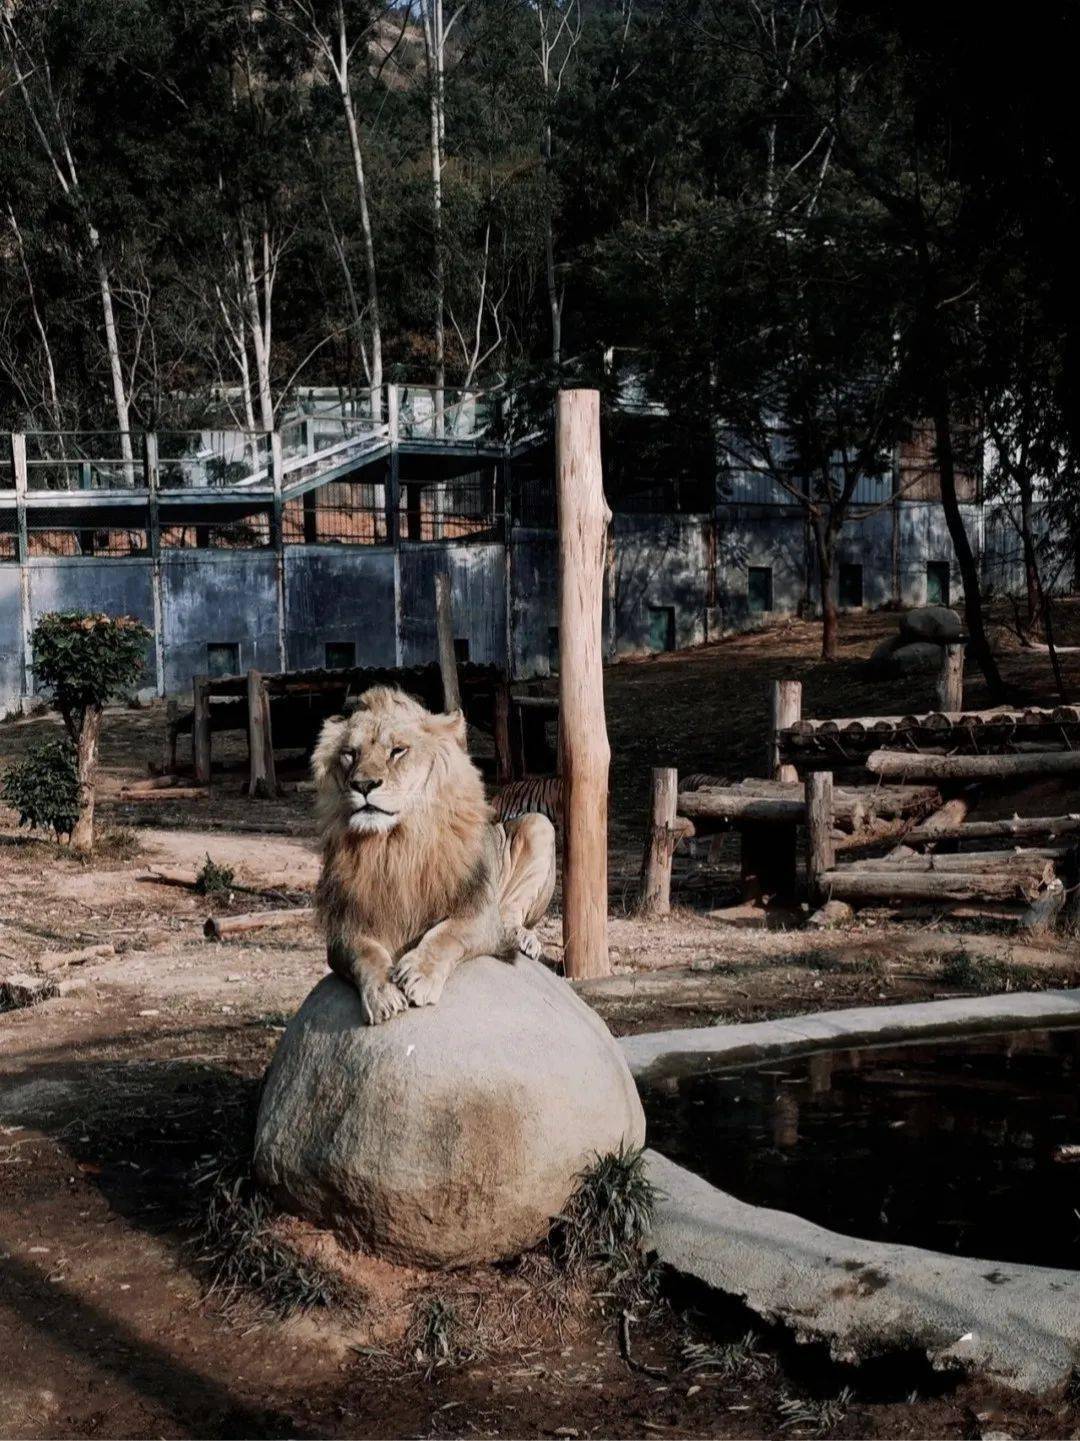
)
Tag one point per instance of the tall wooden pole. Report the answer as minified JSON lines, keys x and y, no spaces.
{"x":444,"y":625}
{"x":659,"y":843}
{"x":820,"y":852}
{"x":583,"y":524}
{"x":786,"y":709}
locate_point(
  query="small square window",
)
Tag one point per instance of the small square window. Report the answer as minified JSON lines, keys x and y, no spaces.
{"x":937,"y":582}
{"x":340,"y":654}
{"x":461,"y":650}
{"x":759,"y":589}
{"x":662,"y":627}
{"x":850,"y":587}
{"x":223,"y":658}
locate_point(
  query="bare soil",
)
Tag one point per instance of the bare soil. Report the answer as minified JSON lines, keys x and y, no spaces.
{"x":144,"y":1069}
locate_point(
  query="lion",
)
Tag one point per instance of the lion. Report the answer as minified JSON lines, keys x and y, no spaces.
{"x":416,"y":876}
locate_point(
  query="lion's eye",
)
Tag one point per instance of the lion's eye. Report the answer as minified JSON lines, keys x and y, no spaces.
{"x":398,"y":752}
{"x":347,"y":758}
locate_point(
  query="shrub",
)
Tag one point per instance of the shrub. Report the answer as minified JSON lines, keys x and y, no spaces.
{"x":87,"y":659}
{"x":44,"y":788}
{"x":214,"y":880}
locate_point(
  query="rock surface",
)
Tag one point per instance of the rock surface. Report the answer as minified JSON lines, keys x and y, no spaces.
{"x":921,"y":657}
{"x":933,"y":623}
{"x":451,"y":1134}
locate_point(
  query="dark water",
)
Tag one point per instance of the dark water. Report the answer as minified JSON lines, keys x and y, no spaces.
{"x":948,"y":1145}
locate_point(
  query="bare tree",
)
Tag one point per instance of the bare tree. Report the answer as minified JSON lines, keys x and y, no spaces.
{"x":559,"y":23}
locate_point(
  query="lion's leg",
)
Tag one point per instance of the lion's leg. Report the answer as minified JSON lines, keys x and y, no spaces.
{"x":367,"y":965}
{"x":528,"y":880}
{"x":423,"y":971}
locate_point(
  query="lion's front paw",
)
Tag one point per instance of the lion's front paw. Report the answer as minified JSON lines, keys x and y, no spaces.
{"x":379,"y":1000}
{"x":421,"y":982}
{"x":528,"y":943}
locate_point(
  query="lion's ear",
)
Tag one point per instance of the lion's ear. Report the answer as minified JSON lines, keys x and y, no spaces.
{"x":452,"y":724}
{"x":327,"y":746}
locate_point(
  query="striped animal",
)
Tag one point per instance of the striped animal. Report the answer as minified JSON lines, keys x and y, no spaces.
{"x":541,"y":794}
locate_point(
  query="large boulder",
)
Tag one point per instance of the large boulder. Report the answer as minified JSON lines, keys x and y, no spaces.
{"x":450,"y":1134}
{"x":933,"y":623}
{"x":921,"y":657}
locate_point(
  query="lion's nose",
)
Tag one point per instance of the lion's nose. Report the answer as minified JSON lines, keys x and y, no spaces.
{"x":362,"y":786}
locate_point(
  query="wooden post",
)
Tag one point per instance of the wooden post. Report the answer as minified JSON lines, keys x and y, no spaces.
{"x":504,"y":750}
{"x":950,"y":684}
{"x":786,"y":710}
{"x":585,"y":754}
{"x":444,"y":625}
{"x":200,"y":729}
{"x":659,"y":843}
{"x":257,"y":780}
{"x":277,"y":529}
{"x":168,"y":753}
{"x":820,"y":851}
{"x":152,"y":476}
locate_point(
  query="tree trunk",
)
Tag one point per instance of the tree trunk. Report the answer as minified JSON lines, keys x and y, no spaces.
{"x":259,"y":326}
{"x":1027,"y":539}
{"x":112,"y":346}
{"x":365,"y":217}
{"x":550,"y":275}
{"x":965,"y":559}
{"x":825,"y":544}
{"x":86,"y":759}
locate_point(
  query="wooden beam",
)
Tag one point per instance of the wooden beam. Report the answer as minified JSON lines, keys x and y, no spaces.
{"x":1018,"y":828}
{"x":258,"y":784}
{"x":785,"y":710}
{"x":444,"y":626}
{"x":659,"y":843}
{"x":913,"y":765}
{"x":584,"y":751}
{"x":820,"y":851}
{"x":870,"y":887}
{"x":220,"y":928}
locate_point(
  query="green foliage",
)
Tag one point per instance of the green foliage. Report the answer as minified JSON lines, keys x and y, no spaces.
{"x":607,"y":1220}
{"x":86,"y":659}
{"x":44,"y":787}
{"x":986,"y":975}
{"x":236,"y":1244}
{"x":214,"y":880}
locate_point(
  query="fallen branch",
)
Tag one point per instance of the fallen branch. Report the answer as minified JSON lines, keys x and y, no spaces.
{"x":220,"y":928}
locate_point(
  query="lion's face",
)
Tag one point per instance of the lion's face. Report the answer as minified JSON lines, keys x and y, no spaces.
{"x":386,"y":762}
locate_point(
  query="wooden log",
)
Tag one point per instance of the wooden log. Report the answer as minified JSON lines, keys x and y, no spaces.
{"x":1045,"y":907}
{"x":1034,"y":859}
{"x":200,"y":728}
{"x":1016,"y":828}
{"x":913,"y":765}
{"x":786,"y":709}
{"x":171,"y":793}
{"x":950,"y":683}
{"x":659,"y":844}
{"x":585,"y":756}
{"x":57,"y":960}
{"x":742,"y":809}
{"x":870,"y":887}
{"x":221,"y":928}
{"x":444,"y":625}
{"x":820,"y":851}
{"x":951,"y":814}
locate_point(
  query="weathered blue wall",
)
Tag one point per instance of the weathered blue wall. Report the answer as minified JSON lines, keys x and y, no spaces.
{"x":112,"y":585}
{"x":217,"y":596}
{"x":478,"y":593}
{"x":339,"y":593}
{"x":11,"y":657}
{"x":924,"y":537}
{"x":759,"y":535}
{"x":661,"y":561}
{"x":534,"y":600}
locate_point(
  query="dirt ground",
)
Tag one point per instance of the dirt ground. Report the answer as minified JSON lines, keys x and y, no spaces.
{"x":122,"y":1090}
